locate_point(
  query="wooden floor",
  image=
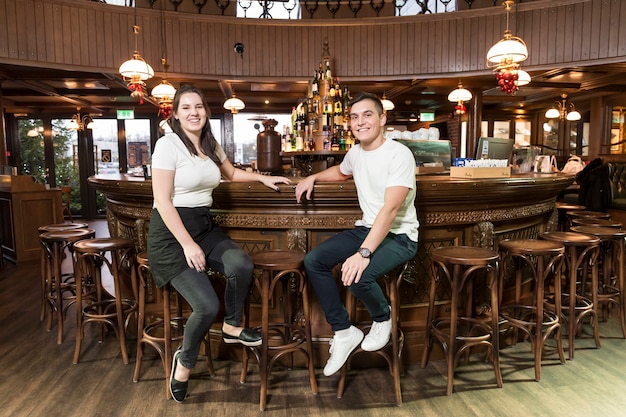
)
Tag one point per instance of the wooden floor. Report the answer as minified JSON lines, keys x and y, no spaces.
{"x":39,"y":379}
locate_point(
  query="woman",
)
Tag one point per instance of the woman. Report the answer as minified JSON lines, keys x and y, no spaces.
{"x":187,"y":165}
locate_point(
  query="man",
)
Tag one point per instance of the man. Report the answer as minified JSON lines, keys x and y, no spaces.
{"x":384,"y":174}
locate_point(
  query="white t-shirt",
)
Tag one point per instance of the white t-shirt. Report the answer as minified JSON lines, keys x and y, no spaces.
{"x":194,"y":178}
{"x":391,"y":164}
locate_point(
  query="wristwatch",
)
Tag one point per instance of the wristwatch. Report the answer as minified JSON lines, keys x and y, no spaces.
{"x":364,"y":252}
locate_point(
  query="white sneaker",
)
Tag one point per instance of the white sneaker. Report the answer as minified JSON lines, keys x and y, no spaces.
{"x":341,"y":345}
{"x":378,"y":336}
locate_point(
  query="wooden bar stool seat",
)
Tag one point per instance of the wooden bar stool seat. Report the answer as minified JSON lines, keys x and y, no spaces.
{"x":580,"y":261}
{"x":589,"y":213}
{"x":459,"y":267}
{"x":59,"y":288}
{"x":45,"y":263}
{"x":611,"y":282}
{"x":562,"y":209}
{"x":390,"y":284}
{"x":293,"y":334}
{"x":541,"y":261}
{"x":95,"y":260}
{"x":593,"y":221}
{"x":162,"y":331}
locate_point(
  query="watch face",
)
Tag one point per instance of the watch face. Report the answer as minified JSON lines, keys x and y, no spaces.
{"x":364,"y":252}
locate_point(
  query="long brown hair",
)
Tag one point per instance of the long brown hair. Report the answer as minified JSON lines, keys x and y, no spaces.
{"x":208,"y":143}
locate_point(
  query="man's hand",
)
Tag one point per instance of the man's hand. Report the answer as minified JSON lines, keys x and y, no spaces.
{"x":352,"y":269}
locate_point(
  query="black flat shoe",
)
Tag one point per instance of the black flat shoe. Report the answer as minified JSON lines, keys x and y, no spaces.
{"x":248,"y":337}
{"x":178,"y":389}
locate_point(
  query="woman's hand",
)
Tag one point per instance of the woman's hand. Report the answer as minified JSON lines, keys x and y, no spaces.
{"x":271,"y":181}
{"x":195,"y":257}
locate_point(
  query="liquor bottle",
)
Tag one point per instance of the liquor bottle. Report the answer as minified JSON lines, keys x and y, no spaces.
{"x":346,"y":101}
{"x":327,"y":139}
{"x":334,"y":142}
{"x":328,"y":75}
{"x":315,"y":85}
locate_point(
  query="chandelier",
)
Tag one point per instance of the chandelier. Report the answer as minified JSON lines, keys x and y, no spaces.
{"x":387,"y":104}
{"x":459,"y":96}
{"x":505,"y":57}
{"x":562,"y":111}
{"x":135,"y":71}
{"x":164,"y":93}
{"x":234,"y":104}
{"x":80,"y":123}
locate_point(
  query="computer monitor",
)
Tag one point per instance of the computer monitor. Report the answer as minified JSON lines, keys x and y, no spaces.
{"x":494,"y":148}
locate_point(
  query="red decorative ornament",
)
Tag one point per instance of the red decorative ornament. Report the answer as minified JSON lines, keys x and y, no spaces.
{"x":137,"y":90}
{"x":165,"y":110}
{"x":460,"y":108}
{"x":507,"y":80}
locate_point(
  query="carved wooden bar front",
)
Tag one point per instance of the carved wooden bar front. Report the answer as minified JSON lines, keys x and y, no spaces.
{"x":452,"y":211}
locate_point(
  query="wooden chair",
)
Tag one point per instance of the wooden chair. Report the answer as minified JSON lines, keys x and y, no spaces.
{"x":66,"y":198}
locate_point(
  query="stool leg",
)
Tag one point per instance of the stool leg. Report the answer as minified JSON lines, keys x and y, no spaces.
{"x":431,"y":312}
{"x":140,"y":326}
{"x":392,"y":290}
{"x":307,"y":332}
{"x":263,"y":371}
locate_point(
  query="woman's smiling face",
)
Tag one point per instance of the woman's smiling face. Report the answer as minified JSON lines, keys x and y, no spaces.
{"x":191,"y":113}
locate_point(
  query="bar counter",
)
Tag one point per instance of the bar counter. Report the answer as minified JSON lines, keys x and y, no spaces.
{"x":451,"y":211}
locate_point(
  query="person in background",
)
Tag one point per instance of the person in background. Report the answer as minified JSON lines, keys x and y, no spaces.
{"x":386,"y":236}
{"x":187,"y":165}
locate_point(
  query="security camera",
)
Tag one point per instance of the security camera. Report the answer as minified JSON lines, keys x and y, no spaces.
{"x":239,"y":48}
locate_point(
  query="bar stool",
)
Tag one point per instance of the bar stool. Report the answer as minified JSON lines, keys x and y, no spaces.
{"x":116,"y":258}
{"x":59,"y":289}
{"x":459,"y":267}
{"x":44,"y":262}
{"x":164,"y":330}
{"x":542,"y":259}
{"x":287,"y":337}
{"x":581,"y":254}
{"x":593,"y":221}
{"x":611,"y":285}
{"x":390,"y":283}
{"x":562,"y":209}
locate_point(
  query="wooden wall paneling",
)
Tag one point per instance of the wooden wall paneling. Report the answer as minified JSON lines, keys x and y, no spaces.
{"x":615,"y":28}
{"x":405,"y":45}
{"x":620,"y":30}
{"x":4,"y":28}
{"x":22,"y":11}
{"x":39,"y":32}
{"x":424,"y":40}
{"x":445,"y":50}
{"x":586,"y":32}
{"x":565,"y":52}
{"x":598,"y":46}
{"x":30,"y":42}
{"x":578,"y":31}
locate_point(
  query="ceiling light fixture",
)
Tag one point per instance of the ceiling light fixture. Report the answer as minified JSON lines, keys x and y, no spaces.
{"x":234,"y":104}
{"x":560,"y":110}
{"x":413,"y":117}
{"x":387,"y":104}
{"x":135,"y":71}
{"x":504,"y":57}
{"x":81,"y":122}
{"x":459,"y":96}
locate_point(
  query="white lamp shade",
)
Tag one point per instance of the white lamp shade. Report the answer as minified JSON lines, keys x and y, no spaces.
{"x":136,"y":69}
{"x":513,"y":49}
{"x":553,"y":113}
{"x":387,"y":104}
{"x":164,"y":91}
{"x":523,"y":78}
{"x":573,"y":116}
{"x":460,"y":94}
{"x":234,"y":104}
